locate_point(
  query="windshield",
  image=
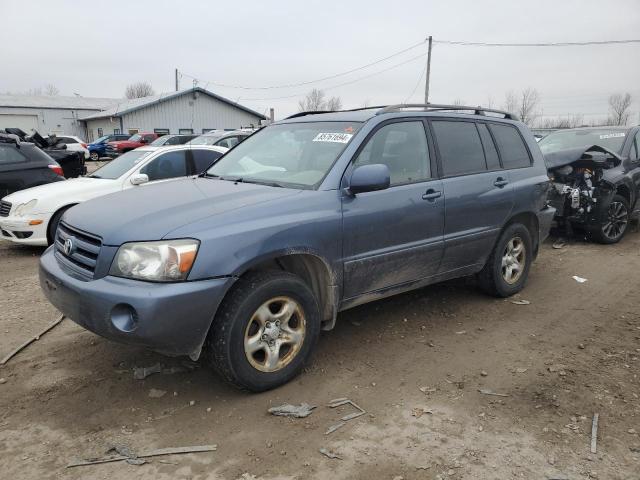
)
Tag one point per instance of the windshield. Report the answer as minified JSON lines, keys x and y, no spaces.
{"x":610,"y":138}
{"x":136,"y":138}
{"x":116,"y":168}
{"x":205,"y":139}
{"x":295,"y":154}
{"x":102,"y":139}
{"x":158,"y":142}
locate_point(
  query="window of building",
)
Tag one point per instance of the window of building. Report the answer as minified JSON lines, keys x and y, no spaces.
{"x":161,"y":131}
{"x":205,"y":130}
{"x":460,"y":147}
{"x":513,"y":151}
{"x":169,"y":165}
{"x":99,"y":132}
{"x":185,"y":131}
{"x":116,"y":131}
{"x":402,"y":146}
{"x":133,"y":131}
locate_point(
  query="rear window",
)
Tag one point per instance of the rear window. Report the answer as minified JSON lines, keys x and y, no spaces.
{"x":513,"y":151}
{"x":460,"y":147}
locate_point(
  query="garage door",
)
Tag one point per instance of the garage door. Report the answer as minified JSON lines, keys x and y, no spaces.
{"x":28,"y":123}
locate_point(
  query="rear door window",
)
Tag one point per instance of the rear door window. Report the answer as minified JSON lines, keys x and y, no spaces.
{"x":168,"y":165}
{"x":402,"y":146}
{"x":513,"y":151}
{"x":460,"y":147}
{"x":203,"y":159}
{"x":490,"y":152}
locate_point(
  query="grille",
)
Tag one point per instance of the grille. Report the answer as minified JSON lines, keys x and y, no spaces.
{"x":5,"y":208}
{"x":85,"y":251}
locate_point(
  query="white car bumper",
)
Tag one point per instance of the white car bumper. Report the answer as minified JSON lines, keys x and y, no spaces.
{"x":25,"y":230}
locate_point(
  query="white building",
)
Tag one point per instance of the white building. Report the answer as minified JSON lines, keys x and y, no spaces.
{"x":49,"y":114}
{"x":187,"y":111}
{"x":195,"y":110}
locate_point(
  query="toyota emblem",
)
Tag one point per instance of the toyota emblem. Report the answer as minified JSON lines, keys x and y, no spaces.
{"x":68,"y":246}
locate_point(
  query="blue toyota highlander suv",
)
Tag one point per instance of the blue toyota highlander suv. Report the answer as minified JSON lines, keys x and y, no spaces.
{"x":245,"y":264}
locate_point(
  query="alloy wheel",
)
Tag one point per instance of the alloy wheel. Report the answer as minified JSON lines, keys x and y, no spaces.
{"x":513,"y":260}
{"x":616,"y":221}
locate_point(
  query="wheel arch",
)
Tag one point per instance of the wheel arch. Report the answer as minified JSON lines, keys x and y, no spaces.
{"x":58,"y":210}
{"x":312,"y":268}
{"x":529,"y":220}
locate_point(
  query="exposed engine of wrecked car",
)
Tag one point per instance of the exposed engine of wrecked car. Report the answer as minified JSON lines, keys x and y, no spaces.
{"x":578,"y":186}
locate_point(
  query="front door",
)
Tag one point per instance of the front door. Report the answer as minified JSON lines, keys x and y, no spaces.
{"x":394,"y":236}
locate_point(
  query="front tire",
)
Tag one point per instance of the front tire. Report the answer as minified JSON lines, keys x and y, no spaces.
{"x":613,"y":221}
{"x":507,"y":269}
{"x":264,"y":331}
{"x":94,"y":156}
{"x":53,"y":224}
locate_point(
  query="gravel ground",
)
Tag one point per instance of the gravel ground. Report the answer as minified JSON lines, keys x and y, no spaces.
{"x":415,"y":363}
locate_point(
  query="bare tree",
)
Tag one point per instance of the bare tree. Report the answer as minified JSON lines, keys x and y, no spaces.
{"x":315,"y":100}
{"x":36,"y":92}
{"x":525,"y":104}
{"x":619,"y":106}
{"x":51,"y":90}
{"x":570,"y":121}
{"x":139,"y":90}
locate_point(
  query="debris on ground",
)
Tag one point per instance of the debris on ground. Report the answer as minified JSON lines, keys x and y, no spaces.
{"x":330,"y":454}
{"x":17,"y":350}
{"x":297,"y":411}
{"x":337,"y":402}
{"x":140,"y":373}
{"x":484,"y":391}
{"x":3,"y":380}
{"x":594,"y":433}
{"x":579,"y":279}
{"x":156,"y":393}
{"x":521,"y":302}
{"x":560,"y":243}
{"x":119,"y":453}
{"x":428,"y":390}
{"x":484,"y":373}
{"x":521,"y":370}
{"x":461,"y":332}
{"x":419,"y":411}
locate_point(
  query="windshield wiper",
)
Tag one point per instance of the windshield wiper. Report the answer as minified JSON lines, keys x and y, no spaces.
{"x":261,"y":182}
{"x":208,"y":175}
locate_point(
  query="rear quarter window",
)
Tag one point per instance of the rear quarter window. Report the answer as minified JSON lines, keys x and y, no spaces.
{"x":513,"y":151}
{"x":460,"y":147}
{"x":10,"y":155}
{"x":490,"y":152}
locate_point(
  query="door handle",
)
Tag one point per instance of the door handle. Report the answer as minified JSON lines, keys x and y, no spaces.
{"x":431,"y":194}
{"x":500,"y":182}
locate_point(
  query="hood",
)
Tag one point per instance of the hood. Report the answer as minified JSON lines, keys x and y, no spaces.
{"x":150,"y":212}
{"x":73,"y":190}
{"x":595,"y":155}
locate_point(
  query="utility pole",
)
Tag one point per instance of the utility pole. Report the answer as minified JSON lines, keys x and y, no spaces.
{"x":177,"y":82}
{"x":426,"y":83}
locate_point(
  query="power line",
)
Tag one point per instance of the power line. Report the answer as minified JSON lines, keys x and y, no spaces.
{"x":308,"y":82}
{"x":422,"y":72}
{"x":413,"y":59}
{"x":540,"y":44}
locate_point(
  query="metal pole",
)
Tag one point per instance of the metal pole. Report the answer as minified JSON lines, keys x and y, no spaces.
{"x":426,"y":83}
{"x":177,"y":83}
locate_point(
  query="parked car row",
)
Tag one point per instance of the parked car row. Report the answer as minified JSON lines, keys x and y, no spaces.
{"x":244,"y":264}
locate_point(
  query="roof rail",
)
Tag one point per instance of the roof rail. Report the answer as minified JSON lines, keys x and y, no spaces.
{"x":437,"y":107}
{"x":308,"y":112}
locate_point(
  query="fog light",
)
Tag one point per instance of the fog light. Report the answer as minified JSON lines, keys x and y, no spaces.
{"x":124,"y":317}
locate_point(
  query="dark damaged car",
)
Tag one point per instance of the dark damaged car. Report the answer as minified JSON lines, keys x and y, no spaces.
{"x":307,"y":217}
{"x":595,"y":174}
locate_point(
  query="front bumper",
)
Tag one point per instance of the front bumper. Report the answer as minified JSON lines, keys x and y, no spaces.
{"x":18,"y":230}
{"x":171,"y":318}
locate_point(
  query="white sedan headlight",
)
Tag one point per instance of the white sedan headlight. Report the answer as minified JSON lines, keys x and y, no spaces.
{"x":162,"y":261}
{"x":24,"y":208}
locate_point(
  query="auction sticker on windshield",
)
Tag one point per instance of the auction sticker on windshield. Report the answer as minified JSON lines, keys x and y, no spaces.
{"x":333,"y":137}
{"x":612,"y":135}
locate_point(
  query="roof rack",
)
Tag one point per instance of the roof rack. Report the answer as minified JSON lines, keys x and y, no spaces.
{"x":437,"y":107}
{"x":308,"y":112}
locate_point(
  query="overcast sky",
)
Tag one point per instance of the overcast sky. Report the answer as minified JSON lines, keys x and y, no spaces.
{"x":96,"y":49}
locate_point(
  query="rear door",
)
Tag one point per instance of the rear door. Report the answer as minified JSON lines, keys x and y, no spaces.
{"x":479,"y":197}
{"x":394,"y":236}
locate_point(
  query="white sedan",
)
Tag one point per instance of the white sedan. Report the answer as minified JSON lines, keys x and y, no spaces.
{"x":74,"y":144}
{"x":32,"y":215}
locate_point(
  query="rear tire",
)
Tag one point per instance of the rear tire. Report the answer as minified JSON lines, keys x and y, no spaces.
{"x":264,"y":331}
{"x":613,"y":221}
{"x":507,"y":269}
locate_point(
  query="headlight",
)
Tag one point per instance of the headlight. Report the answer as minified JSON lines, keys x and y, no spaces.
{"x":163,"y":261}
{"x":25,"y":207}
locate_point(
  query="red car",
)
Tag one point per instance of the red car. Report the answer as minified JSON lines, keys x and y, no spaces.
{"x":115,"y":149}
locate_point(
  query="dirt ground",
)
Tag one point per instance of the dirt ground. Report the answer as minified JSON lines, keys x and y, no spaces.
{"x":415,"y":363}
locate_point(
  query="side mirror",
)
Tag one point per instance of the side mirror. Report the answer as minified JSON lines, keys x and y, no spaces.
{"x":369,"y":178}
{"x":139,"y":179}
